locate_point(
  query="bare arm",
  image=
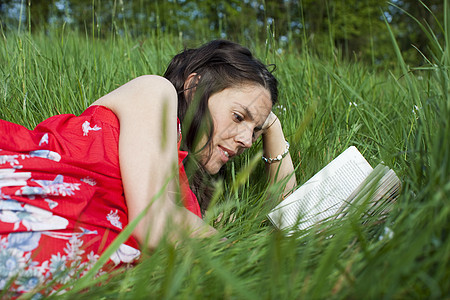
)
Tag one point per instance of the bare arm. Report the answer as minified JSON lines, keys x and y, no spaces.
{"x":147,"y":109}
{"x":274,"y":144}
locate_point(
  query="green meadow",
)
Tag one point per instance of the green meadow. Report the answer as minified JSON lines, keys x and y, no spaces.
{"x":399,"y":115}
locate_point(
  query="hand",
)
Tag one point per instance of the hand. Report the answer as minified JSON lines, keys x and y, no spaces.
{"x":271,"y":118}
{"x":274,"y":144}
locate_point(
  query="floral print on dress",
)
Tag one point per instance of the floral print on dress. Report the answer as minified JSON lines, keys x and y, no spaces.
{"x":52,"y":155}
{"x":11,"y":261}
{"x":42,"y":180}
{"x":12,"y":160}
{"x":87,"y":127}
{"x":114,"y":218}
{"x":44,"y":139}
{"x":9,"y":177}
{"x":125,"y":254}
{"x":55,"y":187}
{"x":16,"y":262}
{"x":24,"y":241}
{"x":31,"y":217}
{"x":89,"y":181}
{"x":51,"y":204}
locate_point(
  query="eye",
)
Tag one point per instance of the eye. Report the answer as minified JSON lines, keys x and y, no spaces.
{"x":238,"y":118}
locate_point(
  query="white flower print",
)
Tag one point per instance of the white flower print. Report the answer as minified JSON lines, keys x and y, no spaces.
{"x":86,"y":231}
{"x":73,"y":248}
{"x":58,"y":268}
{"x":9,"y":177}
{"x":56,"y":187}
{"x":114,"y":218}
{"x":125,"y":254}
{"x":52,"y":155}
{"x":3,"y":196}
{"x":44,"y":139}
{"x":11,"y":159}
{"x":11,"y":205}
{"x":32,"y":217}
{"x":92,"y":258}
{"x":68,"y":236}
{"x":51,"y":204}
{"x":12,"y":261}
{"x":43,"y":268}
{"x":24,"y":241}
{"x":87,"y":127}
{"x":57,"y":263}
{"x":3,"y":280}
{"x":89,"y":181}
{"x":3,"y":243}
{"x":18,"y":268}
{"x":12,"y":212}
{"x":29,"y":279}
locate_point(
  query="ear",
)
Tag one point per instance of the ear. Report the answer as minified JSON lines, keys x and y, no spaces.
{"x":190,"y":85}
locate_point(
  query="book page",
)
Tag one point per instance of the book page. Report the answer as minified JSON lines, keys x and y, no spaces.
{"x":379,"y":190}
{"x":322,"y":195}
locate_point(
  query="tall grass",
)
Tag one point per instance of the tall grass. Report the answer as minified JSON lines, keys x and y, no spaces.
{"x":399,"y":116}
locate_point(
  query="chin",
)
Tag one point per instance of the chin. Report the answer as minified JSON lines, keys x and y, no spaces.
{"x":213,"y":169}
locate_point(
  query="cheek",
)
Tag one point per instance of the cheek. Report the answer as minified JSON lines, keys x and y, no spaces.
{"x":224,"y":130}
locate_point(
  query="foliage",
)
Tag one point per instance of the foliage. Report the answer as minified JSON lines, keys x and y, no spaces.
{"x":350,"y":29}
{"x":398,"y":115}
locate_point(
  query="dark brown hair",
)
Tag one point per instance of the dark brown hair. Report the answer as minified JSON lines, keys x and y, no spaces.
{"x":219,"y":64}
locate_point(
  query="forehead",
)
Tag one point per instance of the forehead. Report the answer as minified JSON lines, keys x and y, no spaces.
{"x":254,"y":99}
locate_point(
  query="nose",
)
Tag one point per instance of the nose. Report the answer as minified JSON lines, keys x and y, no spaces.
{"x":245,"y":137}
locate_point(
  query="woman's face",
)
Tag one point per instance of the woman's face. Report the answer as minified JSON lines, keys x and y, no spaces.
{"x":238,"y":114}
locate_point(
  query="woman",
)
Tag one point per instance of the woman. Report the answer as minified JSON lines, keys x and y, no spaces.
{"x":71,"y":185}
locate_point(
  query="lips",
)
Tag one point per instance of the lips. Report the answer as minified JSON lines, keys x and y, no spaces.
{"x":226,"y":153}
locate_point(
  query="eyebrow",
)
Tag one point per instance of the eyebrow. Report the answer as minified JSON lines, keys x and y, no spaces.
{"x":247,"y":111}
{"x":250,"y":116}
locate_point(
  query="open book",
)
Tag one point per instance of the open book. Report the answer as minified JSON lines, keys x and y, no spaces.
{"x":347,"y":180}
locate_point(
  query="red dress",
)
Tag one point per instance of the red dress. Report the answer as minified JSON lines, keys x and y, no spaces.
{"x":61,"y":197}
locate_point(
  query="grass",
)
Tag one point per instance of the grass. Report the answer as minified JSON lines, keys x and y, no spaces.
{"x":399,"y":116}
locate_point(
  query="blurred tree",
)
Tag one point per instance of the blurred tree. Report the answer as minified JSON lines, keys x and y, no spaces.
{"x":39,"y":12}
{"x":348,"y":28}
{"x":409,"y":32}
{"x":358,"y":27}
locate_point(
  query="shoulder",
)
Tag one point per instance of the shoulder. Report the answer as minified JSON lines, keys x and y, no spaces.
{"x":142,"y":93}
{"x":152,"y":82}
